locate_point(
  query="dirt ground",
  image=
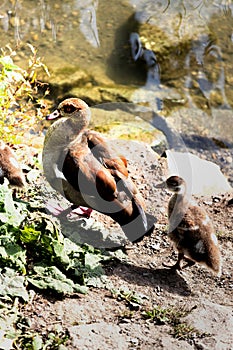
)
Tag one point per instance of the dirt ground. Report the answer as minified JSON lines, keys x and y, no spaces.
{"x":103,"y":319}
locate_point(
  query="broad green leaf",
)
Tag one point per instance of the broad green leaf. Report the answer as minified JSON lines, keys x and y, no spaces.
{"x":71,"y":248}
{"x":12,"y":254}
{"x":29,"y":234}
{"x":8,"y":317}
{"x":12,"y":284}
{"x":92,"y":260}
{"x":12,"y":213}
{"x":60,"y":252}
{"x":80,"y":289}
{"x":51,"y":278}
{"x":37,"y":342}
{"x":5,"y":343}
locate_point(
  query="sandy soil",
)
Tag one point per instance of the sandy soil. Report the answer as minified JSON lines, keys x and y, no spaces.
{"x":104,"y":320}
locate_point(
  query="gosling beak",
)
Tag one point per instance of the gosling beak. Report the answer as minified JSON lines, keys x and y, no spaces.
{"x":161,"y":185}
{"x":53,"y":115}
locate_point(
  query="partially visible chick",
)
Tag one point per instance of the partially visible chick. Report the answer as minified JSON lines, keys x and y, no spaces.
{"x":190,"y":229}
{"x":9,"y":167}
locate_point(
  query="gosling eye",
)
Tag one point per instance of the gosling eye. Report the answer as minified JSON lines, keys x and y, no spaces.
{"x":172,"y":183}
{"x":69,"y":109}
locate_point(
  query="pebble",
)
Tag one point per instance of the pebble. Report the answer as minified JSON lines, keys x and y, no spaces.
{"x":125,"y":320}
{"x":155,"y":246}
{"x":152,"y":265}
{"x":48,"y":25}
{"x":134,"y":341}
{"x":74,"y":13}
{"x":13,"y":22}
{"x":35,"y":37}
{"x":216,"y":199}
{"x":207,"y":202}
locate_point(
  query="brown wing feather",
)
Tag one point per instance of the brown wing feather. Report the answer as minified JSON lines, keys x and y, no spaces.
{"x":106,"y":185}
{"x":91,"y":167}
{"x":85,"y":173}
{"x":105,"y":154}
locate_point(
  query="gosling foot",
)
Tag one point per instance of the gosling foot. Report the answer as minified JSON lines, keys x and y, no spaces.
{"x":178,"y":265}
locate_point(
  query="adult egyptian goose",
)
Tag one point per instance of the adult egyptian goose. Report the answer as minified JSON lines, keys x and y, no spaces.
{"x":9,"y":167}
{"x":190,"y":229}
{"x":80,"y":165}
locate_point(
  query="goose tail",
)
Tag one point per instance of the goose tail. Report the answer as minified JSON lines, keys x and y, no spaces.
{"x":140,"y":223}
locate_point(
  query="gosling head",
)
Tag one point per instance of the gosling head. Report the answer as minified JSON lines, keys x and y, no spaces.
{"x":174,"y":183}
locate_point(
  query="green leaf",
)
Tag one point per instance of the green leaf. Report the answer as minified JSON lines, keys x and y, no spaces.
{"x":60,"y":252}
{"x":8,"y":317}
{"x":12,"y":284}
{"x":29,"y":234}
{"x":12,"y":254}
{"x":50,"y":277}
{"x":12,"y":213}
{"x":8,"y":63}
{"x":37,"y":342}
{"x":5,"y":343}
{"x":72,"y":249}
{"x":92,"y":260}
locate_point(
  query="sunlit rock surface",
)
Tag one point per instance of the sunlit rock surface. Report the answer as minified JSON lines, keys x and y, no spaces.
{"x":203,"y":177}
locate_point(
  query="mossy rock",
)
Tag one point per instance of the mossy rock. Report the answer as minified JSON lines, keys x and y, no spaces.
{"x":102,"y":94}
{"x":120,"y":124}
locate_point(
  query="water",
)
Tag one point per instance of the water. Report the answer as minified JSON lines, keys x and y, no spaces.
{"x":191,"y":82}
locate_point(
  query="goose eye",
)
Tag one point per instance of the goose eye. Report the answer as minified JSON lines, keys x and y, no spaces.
{"x":69,"y":109}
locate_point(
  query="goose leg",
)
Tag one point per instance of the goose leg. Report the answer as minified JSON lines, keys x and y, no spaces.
{"x":58,"y":211}
{"x":81,"y":211}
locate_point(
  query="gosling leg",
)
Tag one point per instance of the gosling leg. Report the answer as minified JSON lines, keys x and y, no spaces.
{"x":177,"y":265}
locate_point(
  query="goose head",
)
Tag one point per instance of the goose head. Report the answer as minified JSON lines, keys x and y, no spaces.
{"x":72,"y":108}
{"x":71,"y":117}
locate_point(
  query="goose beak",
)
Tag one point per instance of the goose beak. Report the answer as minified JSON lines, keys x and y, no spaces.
{"x":53,"y":115}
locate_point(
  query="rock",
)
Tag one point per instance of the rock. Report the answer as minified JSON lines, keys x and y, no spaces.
{"x":159,"y":340}
{"x":203,"y":177}
{"x":64,"y":79}
{"x":99,"y":335}
{"x":196,"y":121}
{"x":214,"y":319}
{"x":174,"y":344}
{"x":103,"y":93}
{"x":117,"y":122}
